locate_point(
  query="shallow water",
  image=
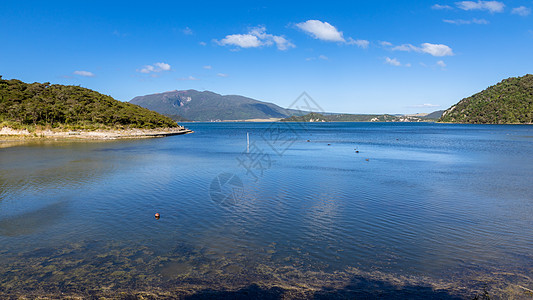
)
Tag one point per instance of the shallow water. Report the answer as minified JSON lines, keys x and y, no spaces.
{"x":438,"y":206}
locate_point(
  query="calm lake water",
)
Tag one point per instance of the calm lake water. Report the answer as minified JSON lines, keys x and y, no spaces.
{"x":433,"y":210}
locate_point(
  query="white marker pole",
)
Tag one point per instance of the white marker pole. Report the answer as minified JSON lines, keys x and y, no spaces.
{"x":247,"y":142}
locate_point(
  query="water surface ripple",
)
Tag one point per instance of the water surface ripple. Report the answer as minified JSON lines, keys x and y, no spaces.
{"x":443,"y":206}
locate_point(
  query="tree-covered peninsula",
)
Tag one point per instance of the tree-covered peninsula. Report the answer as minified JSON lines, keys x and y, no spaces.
{"x":54,"y":106}
{"x":508,"y":102}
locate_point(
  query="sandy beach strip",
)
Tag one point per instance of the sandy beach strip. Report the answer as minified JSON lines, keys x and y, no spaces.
{"x":7,"y":133}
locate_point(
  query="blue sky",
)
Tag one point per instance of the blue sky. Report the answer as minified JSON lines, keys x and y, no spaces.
{"x":350,"y":56}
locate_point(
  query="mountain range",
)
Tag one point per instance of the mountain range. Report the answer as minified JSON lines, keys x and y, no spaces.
{"x":208,"y":106}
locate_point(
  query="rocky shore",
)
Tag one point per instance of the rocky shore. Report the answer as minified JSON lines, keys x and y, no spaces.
{"x":7,"y":133}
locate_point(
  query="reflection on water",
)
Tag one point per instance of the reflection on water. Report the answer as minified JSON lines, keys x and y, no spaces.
{"x":437,"y":211}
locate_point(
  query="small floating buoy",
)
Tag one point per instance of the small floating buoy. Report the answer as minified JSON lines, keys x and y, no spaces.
{"x":157,"y":216}
{"x":308,"y":141}
{"x":356,"y":151}
{"x":367,"y":159}
{"x":329,"y":144}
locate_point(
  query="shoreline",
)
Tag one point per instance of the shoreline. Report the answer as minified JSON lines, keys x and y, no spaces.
{"x":9,"y":134}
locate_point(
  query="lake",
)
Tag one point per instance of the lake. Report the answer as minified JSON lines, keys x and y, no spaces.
{"x":311,"y":210}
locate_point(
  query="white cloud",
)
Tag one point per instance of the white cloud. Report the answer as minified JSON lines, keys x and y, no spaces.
{"x":256,"y":37}
{"x":190,"y":78}
{"x":441,"y":7}
{"x":187,"y":31}
{"x":156,"y":67}
{"x":392,"y":62}
{"x":241,"y":40}
{"x":437,"y":49}
{"x":147,"y":69}
{"x":321,"y":30}
{"x":521,"y":11}
{"x":208,"y":67}
{"x":329,"y":33}
{"x":322,"y":57}
{"x":202,"y":43}
{"x":84,"y":73}
{"x":282,"y":43}
{"x":119,"y":34}
{"x":385,"y":44}
{"x":406,"y":47}
{"x":433,"y":49}
{"x":466,"y":22}
{"x":222,"y":75}
{"x":425,"y":105}
{"x":162,"y":66}
{"x":441,"y":64}
{"x":360,"y":43}
{"x":491,"y":6}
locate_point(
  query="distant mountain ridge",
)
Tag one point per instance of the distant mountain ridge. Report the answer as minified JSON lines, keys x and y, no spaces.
{"x":508,"y":102}
{"x":434,"y":115}
{"x":208,"y":106}
{"x":315,"y":117}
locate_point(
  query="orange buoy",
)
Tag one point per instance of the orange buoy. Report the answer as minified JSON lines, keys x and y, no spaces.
{"x":157,"y":216}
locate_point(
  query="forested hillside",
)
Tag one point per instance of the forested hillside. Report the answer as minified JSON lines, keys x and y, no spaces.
{"x":60,"y":106}
{"x":508,"y":102}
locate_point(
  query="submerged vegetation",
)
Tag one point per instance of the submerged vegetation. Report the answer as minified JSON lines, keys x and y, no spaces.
{"x":508,"y":102}
{"x":54,"y":106}
{"x":111,"y":270}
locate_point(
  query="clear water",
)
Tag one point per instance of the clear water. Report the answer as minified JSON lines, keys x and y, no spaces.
{"x":444,"y":207}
